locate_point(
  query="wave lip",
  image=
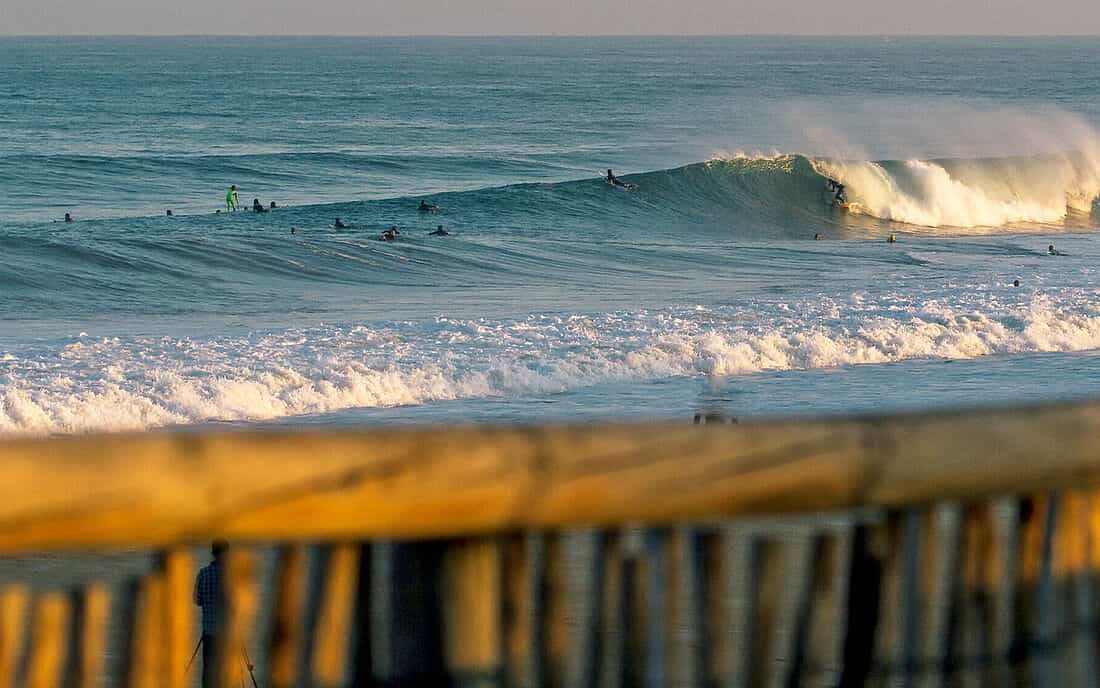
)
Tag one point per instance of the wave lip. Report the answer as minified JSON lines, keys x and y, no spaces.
{"x":971,"y":193}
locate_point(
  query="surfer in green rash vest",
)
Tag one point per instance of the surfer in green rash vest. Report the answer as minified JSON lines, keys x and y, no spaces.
{"x":231,"y":198}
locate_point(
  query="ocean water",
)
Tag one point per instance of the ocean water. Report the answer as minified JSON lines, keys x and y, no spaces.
{"x":556,"y":297}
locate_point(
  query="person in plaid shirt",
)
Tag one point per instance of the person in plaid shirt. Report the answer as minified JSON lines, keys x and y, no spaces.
{"x":207,"y":596}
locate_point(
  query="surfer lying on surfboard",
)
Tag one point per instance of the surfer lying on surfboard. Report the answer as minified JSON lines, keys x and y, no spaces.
{"x":615,"y":181}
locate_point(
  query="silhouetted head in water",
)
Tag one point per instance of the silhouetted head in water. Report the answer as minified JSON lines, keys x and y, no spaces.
{"x":68,"y":217}
{"x":817,"y":237}
{"x":273,"y":204}
{"x":1050,"y":250}
{"x":338,"y":224}
{"x":1015,"y":282}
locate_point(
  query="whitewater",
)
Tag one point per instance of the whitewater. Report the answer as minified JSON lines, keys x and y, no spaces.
{"x":556,"y":297}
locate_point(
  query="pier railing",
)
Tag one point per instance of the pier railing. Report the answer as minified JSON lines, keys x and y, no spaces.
{"x":942,"y":548}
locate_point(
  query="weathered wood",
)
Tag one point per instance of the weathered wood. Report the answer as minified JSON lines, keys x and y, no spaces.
{"x":472,"y":617}
{"x":334,"y":625}
{"x":179,"y":615}
{"x":520,"y":594}
{"x":611,"y":650}
{"x":13,"y":621}
{"x":742,"y":553}
{"x":50,"y":641}
{"x":939,"y":573}
{"x":92,"y":603}
{"x":287,"y":630}
{"x":826,"y":627}
{"x":554,"y":635}
{"x":235,"y":621}
{"x":787,"y":639}
{"x":685,"y":615}
{"x":147,"y":663}
{"x":417,"y":484}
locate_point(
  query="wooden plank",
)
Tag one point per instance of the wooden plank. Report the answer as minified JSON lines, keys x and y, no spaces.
{"x":554,"y":635}
{"x":828,"y":609}
{"x":975,"y":595}
{"x":938,"y":588}
{"x":422,"y":484}
{"x":520,"y":651}
{"x":13,"y":621}
{"x":235,"y":621}
{"x":792,"y":609}
{"x":611,"y":651}
{"x":90,"y":635}
{"x":472,"y":614}
{"x":1005,"y":577}
{"x":586,"y":548}
{"x":287,"y":632}
{"x":1075,"y":588}
{"x":50,"y":641}
{"x":147,"y":639}
{"x":742,"y":553}
{"x":334,"y":625}
{"x":179,"y":615}
{"x":685,"y":616}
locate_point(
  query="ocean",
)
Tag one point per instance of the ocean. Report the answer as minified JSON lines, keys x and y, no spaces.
{"x":555,"y":297}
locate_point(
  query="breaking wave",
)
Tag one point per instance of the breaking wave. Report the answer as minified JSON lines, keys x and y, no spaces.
{"x":141,"y":383}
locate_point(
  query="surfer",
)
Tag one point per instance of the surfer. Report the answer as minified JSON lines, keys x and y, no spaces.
{"x":168,"y":213}
{"x":390,"y":234}
{"x":426,"y":207}
{"x":615,"y":181}
{"x":817,"y":237}
{"x":273,"y":205}
{"x":838,"y":191}
{"x":1051,"y":251}
{"x":439,"y":231}
{"x":258,"y":207}
{"x":231,"y":198}
{"x":892,"y":240}
{"x":68,"y":217}
{"x":339,"y":225}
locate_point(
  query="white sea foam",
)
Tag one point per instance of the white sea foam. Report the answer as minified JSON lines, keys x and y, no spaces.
{"x":119,"y":384}
{"x":1060,"y":174}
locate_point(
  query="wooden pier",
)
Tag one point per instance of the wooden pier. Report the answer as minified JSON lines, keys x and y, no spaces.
{"x":917,"y":550}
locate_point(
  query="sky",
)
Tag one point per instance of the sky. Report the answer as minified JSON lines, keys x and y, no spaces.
{"x":577,"y":17}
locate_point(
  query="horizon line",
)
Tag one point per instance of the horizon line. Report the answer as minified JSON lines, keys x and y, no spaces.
{"x":882,"y":34}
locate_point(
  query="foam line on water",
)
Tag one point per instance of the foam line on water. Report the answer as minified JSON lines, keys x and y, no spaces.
{"x":114,"y":384}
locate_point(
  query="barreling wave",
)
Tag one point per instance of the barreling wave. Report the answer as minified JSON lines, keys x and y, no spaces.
{"x":972,"y":193}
